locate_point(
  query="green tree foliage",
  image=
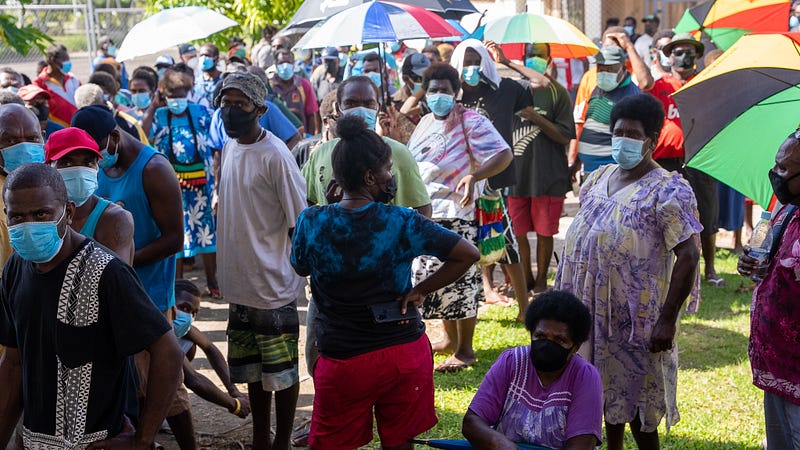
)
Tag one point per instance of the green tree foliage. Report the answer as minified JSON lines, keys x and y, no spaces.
{"x":22,"y":39}
{"x":252,"y":15}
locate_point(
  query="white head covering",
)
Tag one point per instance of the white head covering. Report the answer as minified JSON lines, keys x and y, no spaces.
{"x":488,"y":69}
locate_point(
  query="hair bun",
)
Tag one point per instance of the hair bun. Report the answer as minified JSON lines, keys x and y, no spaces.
{"x":350,"y":126}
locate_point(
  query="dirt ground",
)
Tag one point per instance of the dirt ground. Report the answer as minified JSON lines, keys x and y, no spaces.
{"x":218,"y":429}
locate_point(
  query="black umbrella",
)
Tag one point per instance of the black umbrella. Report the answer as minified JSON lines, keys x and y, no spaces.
{"x":312,"y":11}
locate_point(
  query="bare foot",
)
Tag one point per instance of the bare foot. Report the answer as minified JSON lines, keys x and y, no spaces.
{"x":495,"y":298}
{"x":454,"y":364}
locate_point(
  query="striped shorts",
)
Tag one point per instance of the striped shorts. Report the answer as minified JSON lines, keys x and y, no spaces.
{"x":262,"y":346}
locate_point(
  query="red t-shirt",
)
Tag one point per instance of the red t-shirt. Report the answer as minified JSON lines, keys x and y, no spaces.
{"x":670,"y":142}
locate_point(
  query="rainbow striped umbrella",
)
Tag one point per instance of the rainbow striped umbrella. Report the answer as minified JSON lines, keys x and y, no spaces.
{"x":725,"y":21}
{"x":564,"y":39}
{"x":375,"y":22}
{"x":737,"y":111}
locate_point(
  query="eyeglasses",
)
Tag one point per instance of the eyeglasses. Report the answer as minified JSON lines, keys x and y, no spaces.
{"x":680,"y":52}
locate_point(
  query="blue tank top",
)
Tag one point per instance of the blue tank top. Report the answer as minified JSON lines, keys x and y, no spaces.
{"x":127,"y":191}
{"x":90,"y":226}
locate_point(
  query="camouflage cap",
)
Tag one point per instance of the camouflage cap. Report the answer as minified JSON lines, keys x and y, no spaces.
{"x":250,"y":85}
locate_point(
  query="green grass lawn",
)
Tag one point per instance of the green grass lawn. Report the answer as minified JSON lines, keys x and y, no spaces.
{"x":719,"y":406}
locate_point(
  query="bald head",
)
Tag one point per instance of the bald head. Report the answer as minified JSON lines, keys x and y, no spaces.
{"x":18,"y":124}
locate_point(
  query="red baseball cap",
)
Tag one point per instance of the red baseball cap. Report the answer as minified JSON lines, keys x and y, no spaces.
{"x":30,"y":91}
{"x":67,"y":140}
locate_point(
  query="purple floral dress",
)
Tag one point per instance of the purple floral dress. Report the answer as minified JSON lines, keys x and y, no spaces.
{"x":618,"y":259}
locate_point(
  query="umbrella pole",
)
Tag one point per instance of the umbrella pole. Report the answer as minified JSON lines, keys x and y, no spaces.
{"x":384,"y":89}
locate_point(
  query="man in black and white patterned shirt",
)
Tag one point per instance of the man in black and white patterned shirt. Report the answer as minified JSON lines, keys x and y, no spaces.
{"x":71,"y":313}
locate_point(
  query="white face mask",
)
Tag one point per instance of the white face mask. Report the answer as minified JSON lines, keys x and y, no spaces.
{"x":607,"y":81}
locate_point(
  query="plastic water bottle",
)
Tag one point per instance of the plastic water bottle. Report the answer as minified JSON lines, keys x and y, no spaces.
{"x":761,"y":244}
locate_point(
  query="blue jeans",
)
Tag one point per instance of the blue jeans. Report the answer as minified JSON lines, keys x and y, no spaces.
{"x":782,"y":423}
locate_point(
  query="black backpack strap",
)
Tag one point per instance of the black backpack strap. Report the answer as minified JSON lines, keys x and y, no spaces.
{"x":779,"y":226}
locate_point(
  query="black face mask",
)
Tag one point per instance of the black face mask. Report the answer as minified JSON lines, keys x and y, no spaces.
{"x":683,"y":62}
{"x":42,"y":112}
{"x":548,"y":356}
{"x":780,"y":187}
{"x":237,"y":121}
{"x":388,"y":193}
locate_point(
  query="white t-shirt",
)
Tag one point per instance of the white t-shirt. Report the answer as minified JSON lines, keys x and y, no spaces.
{"x":261,"y":193}
{"x":642,"y":46}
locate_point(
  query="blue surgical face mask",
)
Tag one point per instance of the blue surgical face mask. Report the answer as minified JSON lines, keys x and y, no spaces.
{"x":370,"y":116}
{"x":536,"y":63}
{"x":794,"y":22}
{"x":12,"y":89}
{"x":161,"y":72}
{"x":285,"y":71}
{"x":342,"y":59}
{"x":66,"y":66}
{"x":394,"y":47}
{"x":440,"y":104}
{"x":22,"y":153}
{"x":112,"y":50}
{"x":416,"y":88}
{"x":177,"y":106}
{"x":206,"y":63}
{"x":182,"y":323}
{"x":81,"y":183}
{"x":375,"y":77}
{"x":627,"y":152}
{"x":607,"y":81}
{"x":38,"y":242}
{"x":108,"y":159}
{"x":471,"y":75}
{"x":141,"y":100}
{"x":629,"y":30}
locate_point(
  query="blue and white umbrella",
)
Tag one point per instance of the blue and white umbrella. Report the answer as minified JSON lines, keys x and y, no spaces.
{"x":376,"y":22}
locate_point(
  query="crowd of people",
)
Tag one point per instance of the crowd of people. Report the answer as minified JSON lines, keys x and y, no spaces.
{"x":382,"y":179}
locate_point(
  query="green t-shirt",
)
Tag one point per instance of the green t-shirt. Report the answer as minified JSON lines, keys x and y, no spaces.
{"x":411,"y":191}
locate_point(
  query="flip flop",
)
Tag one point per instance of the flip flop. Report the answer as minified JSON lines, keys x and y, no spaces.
{"x":453,"y":365}
{"x":717,"y":281}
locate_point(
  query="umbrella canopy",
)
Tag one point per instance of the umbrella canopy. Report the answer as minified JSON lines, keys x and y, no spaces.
{"x":737,"y":112}
{"x":725,"y":21}
{"x":376,"y":22}
{"x":312,"y":11}
{"x":564,"y":39}
{"x":463,"y":444}
{"x":171,"y":27}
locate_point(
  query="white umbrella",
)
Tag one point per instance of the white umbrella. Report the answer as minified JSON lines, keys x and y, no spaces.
{"x":171,"y":27}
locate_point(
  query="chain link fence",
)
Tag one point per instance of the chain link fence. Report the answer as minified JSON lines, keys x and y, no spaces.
{"x":70,"y":25}
{"x":116,"y":22}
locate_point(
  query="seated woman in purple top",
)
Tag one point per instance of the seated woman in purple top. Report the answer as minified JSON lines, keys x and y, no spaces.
{"x":543,"y":394}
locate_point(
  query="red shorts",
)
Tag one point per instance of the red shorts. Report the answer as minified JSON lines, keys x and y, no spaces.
{"x":539,"y":214}
{"x":396,"y":381}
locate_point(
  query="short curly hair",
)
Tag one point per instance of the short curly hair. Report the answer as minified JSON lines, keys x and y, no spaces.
{"x":642,"y":107}
{"x":564,"y":307}
{"x":173,"y":80}
{"x":441,"y":71}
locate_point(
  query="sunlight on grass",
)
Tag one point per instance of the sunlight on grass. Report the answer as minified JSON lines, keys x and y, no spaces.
{"x":719,"y":406}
